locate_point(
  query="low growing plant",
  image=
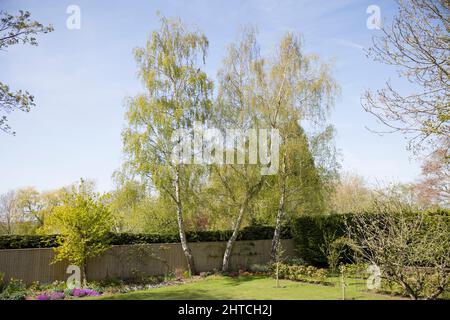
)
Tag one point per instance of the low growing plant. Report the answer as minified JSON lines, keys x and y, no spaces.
{"x":355,"y":270}
{"x":2,"y":284}
{"x":14,"y":290}
{"x":259,"y":268}
{"x":300,"y":273}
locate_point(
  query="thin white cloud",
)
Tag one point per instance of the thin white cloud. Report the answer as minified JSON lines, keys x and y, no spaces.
{"x":348,"y":43}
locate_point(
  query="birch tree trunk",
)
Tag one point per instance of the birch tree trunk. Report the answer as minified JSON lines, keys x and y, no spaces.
{"x":280,"y":216}
{"x":230,"y":243}
{"x":186,"y":250}
{"x":281,"y":211}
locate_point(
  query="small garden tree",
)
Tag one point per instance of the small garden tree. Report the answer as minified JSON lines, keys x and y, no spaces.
{"x":412,"y":250}
{"x":83,"y":223}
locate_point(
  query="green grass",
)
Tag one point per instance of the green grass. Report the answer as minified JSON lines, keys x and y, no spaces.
{"x":251,"y":287}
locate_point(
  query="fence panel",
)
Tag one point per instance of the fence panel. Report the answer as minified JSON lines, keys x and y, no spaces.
{"x":131,"y":261}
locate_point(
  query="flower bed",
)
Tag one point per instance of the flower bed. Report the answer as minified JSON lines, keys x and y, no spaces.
{"x":67,"y":294}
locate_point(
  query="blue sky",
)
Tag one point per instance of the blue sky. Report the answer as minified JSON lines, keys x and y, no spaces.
{"x":81,"y":77}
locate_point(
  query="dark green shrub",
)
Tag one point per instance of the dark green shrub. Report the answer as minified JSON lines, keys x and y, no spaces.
{"x":48,"y":241}
{"x":311,"y":232}
{"x":310,"y":235}
{"x":27,"y":241}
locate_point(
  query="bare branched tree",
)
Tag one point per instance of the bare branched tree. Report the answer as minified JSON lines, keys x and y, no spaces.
{"x":412,"y":250}
{"x":417,"y":44}
{"x":434,"y":187}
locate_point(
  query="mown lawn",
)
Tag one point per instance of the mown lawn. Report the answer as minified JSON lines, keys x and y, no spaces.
{"x":249,"y":287}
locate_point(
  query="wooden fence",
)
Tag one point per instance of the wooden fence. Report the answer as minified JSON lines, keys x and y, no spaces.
{"x":132,"y":261}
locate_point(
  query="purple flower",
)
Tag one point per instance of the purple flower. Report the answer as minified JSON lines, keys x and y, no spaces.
{"x":92,"y":293}
{"x":78,"y":293}
{"x":84,"y":292}
{"x":43,"y":297}
{"x":57,"y":295}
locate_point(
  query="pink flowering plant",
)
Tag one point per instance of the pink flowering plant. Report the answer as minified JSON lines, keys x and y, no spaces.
{"x":67,"y":294}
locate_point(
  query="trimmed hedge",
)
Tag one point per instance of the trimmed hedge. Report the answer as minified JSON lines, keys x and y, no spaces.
{"x":27,"y":241}
{"x":309,"y":233}
{"x":49,"y":241}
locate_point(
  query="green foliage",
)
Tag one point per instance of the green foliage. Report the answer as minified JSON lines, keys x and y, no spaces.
{"x":2,"y":284}
{"x":49,"y":241}
{"x":299,"y":273}
{"x":34,"y":206}
{"x":27,"y":241}
{"x":148,"y":214}
{"x":411,"y":249}
{"x":14,"y":290}
{"x":83,"y":224}
{"x":310,"y":235}
{"x":355,"y":270}
{"x":259,"y":268}
{"x":19,"y":29}
{"x":177,"y":94}
{"x":248,"y":233}
{"x":338,"y":251}
{"x":305,"y":188}
{"x":315,"y":236}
